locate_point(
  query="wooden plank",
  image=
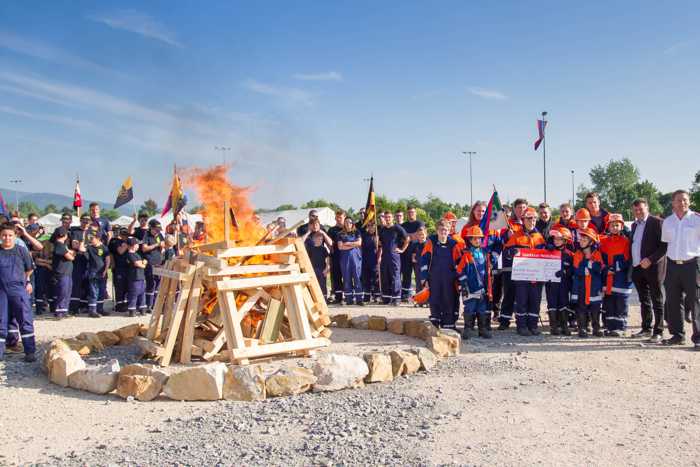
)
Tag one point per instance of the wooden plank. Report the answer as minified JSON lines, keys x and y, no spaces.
{"x":216,"y":345}
{"x":255,"y":269}
{"x":196,"y":351}
{"x":204,"y":344}
{"x":158,"y":307}
{"x":250,"y":302}
{"x":164,"y":272}
{"x":273,"y":320}
{"x":241,"y":355}
{"x":267,"y":281}
{"x":242,"y":251}
{"x":212,"y":246}
{"x":314,"y":286}
{"x":169,"y":306}
{"x":296,"y":312}
{"x":174,"y":325}
{"x":232,"y":323}
{"x":212,"y":262}
{"x":193,"y":310}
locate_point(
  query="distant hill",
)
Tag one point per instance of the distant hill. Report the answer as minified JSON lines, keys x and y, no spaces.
{"x":60,"y":201}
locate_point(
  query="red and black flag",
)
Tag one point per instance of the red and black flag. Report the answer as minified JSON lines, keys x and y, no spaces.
{"x":77,"y":198}
{"x":370,"y":206}
{"x":126,"y":193}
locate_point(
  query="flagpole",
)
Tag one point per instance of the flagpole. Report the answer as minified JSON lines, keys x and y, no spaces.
{"x":544,"y":153}
{"x":77,"y":181}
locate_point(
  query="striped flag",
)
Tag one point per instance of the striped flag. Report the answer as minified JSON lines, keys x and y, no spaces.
{"x":541,"y":124}
{"x":126,"y":193}
{"x":176,"y":199}
{"x":370,"y":206}
{"x":3,"y":206}
{"x":77,"y":198}
{"x":495,"y":216}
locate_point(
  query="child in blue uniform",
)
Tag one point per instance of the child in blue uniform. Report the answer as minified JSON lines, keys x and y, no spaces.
{"x":558,"y":292}
{"x":62,"y":266}
{"x":617,"y":257}
{"x":98,"y":265}
{"x":152,"y":247}
{"x":118,"y":249}
{"x":473,"y":279}
{"x":417,"y":250}
{"x":136,"y":290}
{"x":587,"y":288}
{"x":350,"y":251}
{"x":15,"y":288}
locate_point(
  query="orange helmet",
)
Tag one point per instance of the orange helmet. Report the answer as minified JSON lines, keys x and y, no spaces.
{"x":616,"y":218}
{"x":530,"y":212}
{"x":590,"y":233}
{"x":449,"y":216}
{"x":582,"y":215}
{"x":561,"y":232}
{"x":474,"y":231}
{"x":422,"y":297}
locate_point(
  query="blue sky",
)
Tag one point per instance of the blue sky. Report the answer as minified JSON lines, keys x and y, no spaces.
{"x":312,"y":97}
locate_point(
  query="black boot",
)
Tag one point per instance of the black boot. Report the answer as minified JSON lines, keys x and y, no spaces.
{"x":553,"y":323}
{"x":467,"y":330}
{"x":581,"y":320}
{"x":595,"y":318}
{"x":503,"y":325}
{"x":563,"y":321}
{"x":485,"y":325}
{"x":472,"y":322}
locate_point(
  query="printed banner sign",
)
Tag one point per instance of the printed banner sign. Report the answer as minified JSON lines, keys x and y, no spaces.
{"x":536,"y":265}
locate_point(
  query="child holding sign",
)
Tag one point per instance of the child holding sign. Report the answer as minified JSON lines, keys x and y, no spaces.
{"x":558,"y":292}
{"x":587,"y":287}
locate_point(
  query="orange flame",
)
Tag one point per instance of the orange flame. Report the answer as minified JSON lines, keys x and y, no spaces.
{"x":213,"y":188}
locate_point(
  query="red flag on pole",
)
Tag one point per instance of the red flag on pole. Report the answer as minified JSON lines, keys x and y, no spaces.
{"x":77,"y":199}
{"x":541,"y":124}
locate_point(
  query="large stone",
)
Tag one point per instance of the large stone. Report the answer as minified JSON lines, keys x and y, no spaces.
{"x":379,"y":365}
{"x":141,"y":387}
{"x":395,"y":326}
{"x":421,"y":329}
{"x":127,"y":333}
{"x":377,"y":323}
{"x":336,"y":371}
{"x":139,"y":369}
{"x":143,"y":330}
{"x":199,"y":383}
{"x":289,"y":381}
{"x":244,"y":383}
{"x":82,"y":347}
{"x":443,"y":345}
{"x":341,"y":320}
{"x":99,"y":379}
{"x":55,"y":348}
{"x":427,"y":359}
{"x":63,"y":365}
{"x":403,"y":363}
{"x":149,"y":349}
{"x":92,"y":340}
{"x":108,"y":338}
{"x":360,"y":322}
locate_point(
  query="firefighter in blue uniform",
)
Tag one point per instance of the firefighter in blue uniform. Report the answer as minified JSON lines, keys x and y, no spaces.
{"x":15,"y":289}
{"x":393,"y":241}
{"x":560,"y":238}
{"x":370,"y":264}
{"x":336,"y":271}
{"x":617,"y":256}
{"x":152,"y":250}
{"x":98,"y":265}
{"x":62,"y":266}
{"x":350,"y":250}
{"x":136,"y":289}
{"x":78,"y":243}
{"x":439,"y":262}
{"x":587,"y":285}
{"x":411,"y":227}
{"x":473,"y":278}
{"x":117,"y":248}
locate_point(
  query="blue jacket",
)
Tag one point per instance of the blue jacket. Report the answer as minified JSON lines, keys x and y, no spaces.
{"x":472,"y":272}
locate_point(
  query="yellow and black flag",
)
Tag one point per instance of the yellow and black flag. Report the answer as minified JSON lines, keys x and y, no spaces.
{"x":126,"y":193}
{"x":370,"y":207}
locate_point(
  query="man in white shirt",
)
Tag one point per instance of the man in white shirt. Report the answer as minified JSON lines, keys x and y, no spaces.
{"x":681,"y":232}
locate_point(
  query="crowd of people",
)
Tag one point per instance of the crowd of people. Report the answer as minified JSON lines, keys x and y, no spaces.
{"x":391,"y":259}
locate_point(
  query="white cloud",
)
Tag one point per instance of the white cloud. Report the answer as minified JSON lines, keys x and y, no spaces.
{"x":487,"y":93}
{"x":44,"y":51}
{"x":293,"y":95}
{"x":324,"y":76}
{"x":678,"y":47}
{"x":139,"y":23}
{"x":68,"y":121}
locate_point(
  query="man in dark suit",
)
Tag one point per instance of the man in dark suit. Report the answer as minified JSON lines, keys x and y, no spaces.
{"x":649,"y":269}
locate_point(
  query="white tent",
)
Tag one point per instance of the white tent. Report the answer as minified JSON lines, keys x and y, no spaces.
{"x":292,"y":216}
{"x":122,"y":221}
{"x":52,"y":220}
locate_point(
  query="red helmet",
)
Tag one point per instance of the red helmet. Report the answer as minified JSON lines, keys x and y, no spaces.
{"x":449,"y":216}
{"x":582,"y":215}
{"x":474,"y":231}
{"x":590,"y":233}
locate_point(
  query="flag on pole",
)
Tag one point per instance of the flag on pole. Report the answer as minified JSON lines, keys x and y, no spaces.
{"x":3,"y":207}
{"x":541,"y":124}
{"x":126,"y":193}
{"x":370,"y":206}
{"x":176,"y":199}
{"x":495,"y":216}
{"x":77,"y":199}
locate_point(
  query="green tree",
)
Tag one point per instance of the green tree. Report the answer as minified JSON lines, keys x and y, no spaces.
{"x":285,"y":207}
{"x":695,"y":192}
{"x":27,"y":207}
{"x":665,"y":202}
{"x":111,"y":214}
{"x":150,"y":207}
{"x":320,"y":203}
{"x":196,"y":209}
{"x":67,"y":210}
{"x":50,"y":208}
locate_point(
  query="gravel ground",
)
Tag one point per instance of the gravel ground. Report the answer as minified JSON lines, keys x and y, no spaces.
{"x":545,"y":400}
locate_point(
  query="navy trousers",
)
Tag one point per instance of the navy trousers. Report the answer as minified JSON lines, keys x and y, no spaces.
{"x":17,"y":307}
{"x":616,"y":310}
{"x":120,"y":287}
{"x":406,"y":273}
{"x":351,"y":265}
{"x":527,"y":304}
{"x":42,"y":289}
{"x":508,"y":298}
{"x":63,"y":284}
{"x":391,"y":277}
{"x":97,"y":292}
{"x":136,"y":296}
{"x":336,"y":277}
{"x":152,"y":283}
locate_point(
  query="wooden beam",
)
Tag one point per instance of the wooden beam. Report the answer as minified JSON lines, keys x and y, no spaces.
{"x":242,"y":355}
{"x":232,"y":323}
{"x":212,"y":246}
{"x":314,"y":286}
{"x":296,"y":312}
{"x":254,"y":269}
{"x":164,"y":272}
{"x":268,"y":281}
{"x":217,"y":344}
{"x":237,"y":252}
{"x":273,"y":320}
{"x":193,"y":309}
{"x":174,"y":325}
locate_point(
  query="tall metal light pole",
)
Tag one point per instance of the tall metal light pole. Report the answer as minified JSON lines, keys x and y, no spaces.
{"x":471,"y":184}
{"x":16,"y":182}
{"x":223,"y":150}
{"x":573,"y":193}
{"x":544,"y":154}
